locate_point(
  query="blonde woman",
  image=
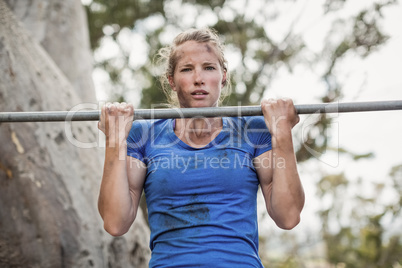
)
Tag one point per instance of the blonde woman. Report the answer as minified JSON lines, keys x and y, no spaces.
{"x":200,"y":175}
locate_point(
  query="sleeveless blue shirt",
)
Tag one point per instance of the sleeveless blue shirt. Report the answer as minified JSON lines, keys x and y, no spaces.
{"x":202,"y":202}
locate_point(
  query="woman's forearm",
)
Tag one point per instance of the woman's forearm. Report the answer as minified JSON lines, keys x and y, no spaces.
{"x":287,"y":194}
{"x":117,"y":204}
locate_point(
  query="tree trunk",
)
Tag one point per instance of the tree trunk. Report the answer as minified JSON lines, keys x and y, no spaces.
{"x":61,"y":28}
{"x":48,"y":182}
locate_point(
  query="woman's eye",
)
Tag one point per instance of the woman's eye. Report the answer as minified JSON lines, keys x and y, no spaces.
{"x":185,"y":69}
{"x":210,"y":68}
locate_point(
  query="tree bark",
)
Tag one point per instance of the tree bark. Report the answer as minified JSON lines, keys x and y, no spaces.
{"x":60,"y":26}
{"x":49,"y":183}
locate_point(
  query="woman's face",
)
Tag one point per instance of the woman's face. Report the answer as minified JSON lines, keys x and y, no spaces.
{"x":198,"y":76}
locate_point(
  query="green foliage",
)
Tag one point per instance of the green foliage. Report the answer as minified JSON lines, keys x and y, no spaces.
{"x":117,"y":15}
{"x":211,"y":4}
{"x":108,"y":19}
{"x":362,"y":239}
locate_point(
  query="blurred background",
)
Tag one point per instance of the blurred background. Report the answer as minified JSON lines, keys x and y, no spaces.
{"x":312,"y":52}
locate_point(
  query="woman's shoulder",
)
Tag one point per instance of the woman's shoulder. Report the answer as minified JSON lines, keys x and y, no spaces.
{"x":146,"y":128}
{"x":139,"y":125}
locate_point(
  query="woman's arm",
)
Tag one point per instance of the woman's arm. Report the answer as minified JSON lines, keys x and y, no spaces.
{"x":123,"y":176}
{"x":277,"y":169}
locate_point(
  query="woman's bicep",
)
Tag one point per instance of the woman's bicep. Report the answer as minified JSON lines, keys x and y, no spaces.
{"x":263,"y":166}
{"x":136,"y":172}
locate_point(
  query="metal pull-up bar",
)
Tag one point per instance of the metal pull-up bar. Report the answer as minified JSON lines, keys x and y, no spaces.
{"x":231,"y":111}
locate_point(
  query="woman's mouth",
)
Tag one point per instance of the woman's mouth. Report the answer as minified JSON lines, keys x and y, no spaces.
{"x":199,"y":92}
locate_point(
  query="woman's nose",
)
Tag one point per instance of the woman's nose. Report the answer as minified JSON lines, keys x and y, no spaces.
{"x":198,"y":78}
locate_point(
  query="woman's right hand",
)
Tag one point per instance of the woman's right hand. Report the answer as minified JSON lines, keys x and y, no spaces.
{"x":121,"y":185}
{"x":115,"y":122}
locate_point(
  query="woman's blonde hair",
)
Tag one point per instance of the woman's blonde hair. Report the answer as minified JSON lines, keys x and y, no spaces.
{"x":168,"y":58}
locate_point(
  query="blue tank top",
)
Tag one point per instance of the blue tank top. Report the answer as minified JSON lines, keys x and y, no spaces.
{"x":202,"y":202}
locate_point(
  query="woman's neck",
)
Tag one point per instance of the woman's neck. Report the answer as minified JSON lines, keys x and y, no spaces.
{"x":198,"y":132}
{"x":198,"y":127}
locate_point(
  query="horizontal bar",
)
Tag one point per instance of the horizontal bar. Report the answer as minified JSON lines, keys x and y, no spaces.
{"x":231,"y":111}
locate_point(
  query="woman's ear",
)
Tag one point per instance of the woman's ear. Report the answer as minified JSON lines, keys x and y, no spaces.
{"x":224,"y":81}
{"x":171,"y":83}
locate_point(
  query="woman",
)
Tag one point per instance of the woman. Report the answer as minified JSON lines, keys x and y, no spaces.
{"x":200,"y":175}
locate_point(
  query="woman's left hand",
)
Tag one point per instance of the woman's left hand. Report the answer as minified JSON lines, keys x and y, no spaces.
{"x":280,"y":184}
{"x":280,"y":116}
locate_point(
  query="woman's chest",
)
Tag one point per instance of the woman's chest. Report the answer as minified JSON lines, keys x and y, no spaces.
{"x":215,"y":170}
